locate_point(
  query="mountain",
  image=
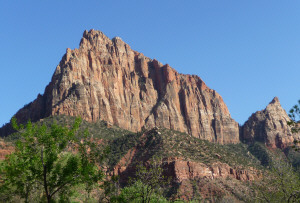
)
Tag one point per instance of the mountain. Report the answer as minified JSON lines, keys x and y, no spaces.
{"x":106,"y":80}
{"x":144,"y":110}
{"x":269,"y":126}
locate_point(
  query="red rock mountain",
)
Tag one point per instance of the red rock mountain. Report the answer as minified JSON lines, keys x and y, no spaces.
{"x":269,"y":126}
{"x":105,"y":79}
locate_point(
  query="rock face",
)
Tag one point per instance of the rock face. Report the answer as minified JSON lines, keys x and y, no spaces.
{"x":269,"y":126}
{"x":188,"y":170}
{"x":185,"y":174}
{"x":209,"y":179}
{"x":105,"y":79}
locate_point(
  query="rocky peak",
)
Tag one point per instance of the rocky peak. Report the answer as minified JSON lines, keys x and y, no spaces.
{"x":274,"y":106}
{"x":105,"y":79}
{"x":275,"y":100}
{"x":269,"y":126}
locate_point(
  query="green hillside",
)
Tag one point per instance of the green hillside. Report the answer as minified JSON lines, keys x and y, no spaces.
{"x":163,"y":144}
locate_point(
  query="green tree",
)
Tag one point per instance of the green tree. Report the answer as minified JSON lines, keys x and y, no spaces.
{"x":54,"y":159}
{"x":280,"y":184}
{"x":139,"y":192}
{"x":111,"y":189}
{"x":294,"y":114}
{"x":147,"y":185}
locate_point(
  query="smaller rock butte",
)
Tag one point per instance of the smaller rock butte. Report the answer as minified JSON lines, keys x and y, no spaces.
{"x":105,"y":79}
{"x":270,"y":127}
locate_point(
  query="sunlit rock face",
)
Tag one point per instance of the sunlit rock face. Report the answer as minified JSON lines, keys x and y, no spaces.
{"x":105,"y":79}
{"x":269,"y":126}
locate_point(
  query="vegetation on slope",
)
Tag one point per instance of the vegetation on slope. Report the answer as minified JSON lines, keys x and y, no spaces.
{"x":157,"y":144}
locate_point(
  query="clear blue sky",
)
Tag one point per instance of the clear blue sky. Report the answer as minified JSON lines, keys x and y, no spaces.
{"x":248,"y":51}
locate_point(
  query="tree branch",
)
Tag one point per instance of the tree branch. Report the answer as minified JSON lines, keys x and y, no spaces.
{"x":63,"y":185}
{"x":44,"y":174}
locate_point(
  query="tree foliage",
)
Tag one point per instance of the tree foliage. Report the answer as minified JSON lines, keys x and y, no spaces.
{"x":49,"y":161}
{"x":152,"y":177}
{"x":140,"y":192}
{"x":146,"y":186}
{"x":280,"y":184}
{"x":294,"y":114}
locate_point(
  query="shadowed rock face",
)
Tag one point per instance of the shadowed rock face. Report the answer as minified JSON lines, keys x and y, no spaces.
{"x":105,"y":79}
{"x":269,"y":126}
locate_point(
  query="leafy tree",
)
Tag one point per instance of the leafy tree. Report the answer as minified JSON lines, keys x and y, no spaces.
{"x":111,"y":189}
{"x":147,"y":186}
{"x":139,"y":192}
{"x":152,"y":177}
{"x":281,"y":184}
{"x":295,"y":116}
{"x":54,"y":159}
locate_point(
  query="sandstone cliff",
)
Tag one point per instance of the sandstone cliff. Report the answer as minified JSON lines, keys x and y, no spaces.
{"x":105,"y":79}
{"x":269,"y":126}
{"x":208,"y":178}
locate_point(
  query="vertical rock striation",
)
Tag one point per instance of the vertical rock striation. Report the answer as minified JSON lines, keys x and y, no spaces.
{"x":105,"y":79}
